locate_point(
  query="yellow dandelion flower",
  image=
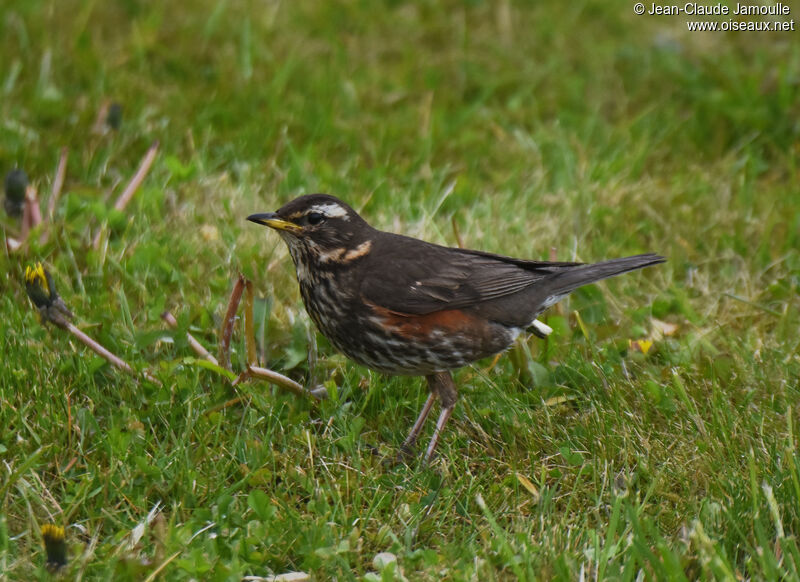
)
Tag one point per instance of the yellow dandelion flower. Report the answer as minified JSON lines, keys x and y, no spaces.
{"x":55,"y":545}
{"x":35,"y":276}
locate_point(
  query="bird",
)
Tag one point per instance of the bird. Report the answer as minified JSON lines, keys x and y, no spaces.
{"x":402,"y":306}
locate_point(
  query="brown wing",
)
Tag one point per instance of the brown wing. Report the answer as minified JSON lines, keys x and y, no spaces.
{"x":422,"y":278}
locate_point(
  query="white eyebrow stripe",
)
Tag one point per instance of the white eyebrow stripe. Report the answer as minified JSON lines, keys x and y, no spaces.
{"x":331,"y":210}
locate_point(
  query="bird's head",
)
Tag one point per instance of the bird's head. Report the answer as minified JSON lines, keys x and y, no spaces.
{"x":319,"y":228}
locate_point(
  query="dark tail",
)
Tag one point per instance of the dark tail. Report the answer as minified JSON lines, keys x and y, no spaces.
{"x":566,"y":281}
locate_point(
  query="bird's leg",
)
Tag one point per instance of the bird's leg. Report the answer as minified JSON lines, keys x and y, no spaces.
{"x":441,"y":421}
{"x":411,"y":439}
{"x":443,"y":385}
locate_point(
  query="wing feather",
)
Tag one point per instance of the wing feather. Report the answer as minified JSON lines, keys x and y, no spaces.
{"x":425,"y":278}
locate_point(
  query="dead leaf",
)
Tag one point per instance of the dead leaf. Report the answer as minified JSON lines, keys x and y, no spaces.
{"x":526,"y":483}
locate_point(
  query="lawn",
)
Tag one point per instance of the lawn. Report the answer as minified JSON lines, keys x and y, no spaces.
{"x":570,"y":129}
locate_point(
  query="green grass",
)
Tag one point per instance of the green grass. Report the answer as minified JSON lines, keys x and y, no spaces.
{"x":577,"y":126}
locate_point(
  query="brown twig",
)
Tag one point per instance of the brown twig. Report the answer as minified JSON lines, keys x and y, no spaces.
{"x":55,"y":193}
{"x":113,"y":359}
{"x":58,"y":183}
{"x":99,"y":126}
{"x":226,"y":329}
{"x":133,"y":185}
{"x":31,"y":213}
{"x":196,"y":345}
{"x":281,"y":381}
{"x":138,"y":177}
{"x":249,"y":324}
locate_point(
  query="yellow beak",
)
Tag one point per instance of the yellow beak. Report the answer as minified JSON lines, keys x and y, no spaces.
{"x":271,"y":220}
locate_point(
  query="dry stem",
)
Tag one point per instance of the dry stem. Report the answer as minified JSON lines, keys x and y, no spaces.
{"x":133,"y":186}
{"x":138,"y":178}
{"x":281,"y":381}
{"x":58,"y":183}
{"x":226,"y":330}
{"x":113,"y":359}
{"x":31,"y":213}
{"x":196,"y":345}
{"x":249,"y":324}
{"x":99,"y":126}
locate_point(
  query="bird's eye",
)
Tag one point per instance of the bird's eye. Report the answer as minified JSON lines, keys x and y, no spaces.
{"x":315,"y":218}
